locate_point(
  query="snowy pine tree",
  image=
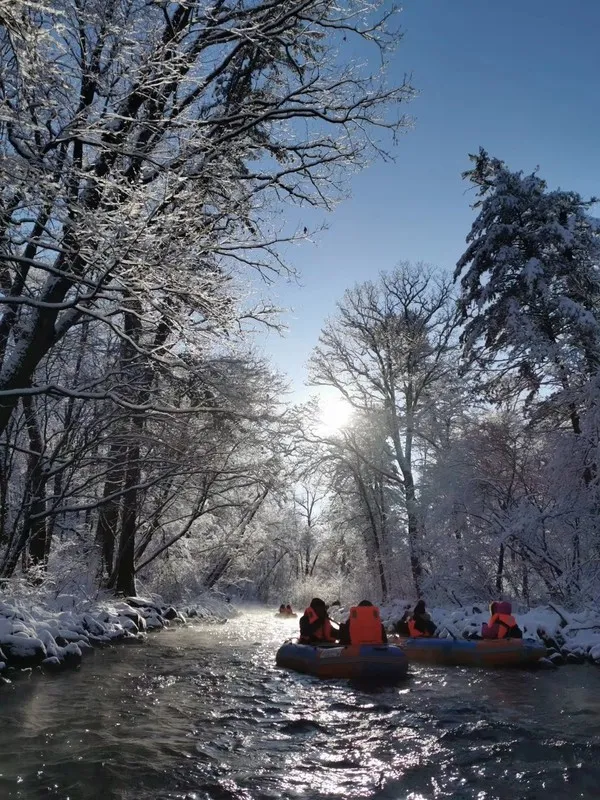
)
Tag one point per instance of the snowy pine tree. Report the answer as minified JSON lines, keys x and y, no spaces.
{"x":530,"y":284}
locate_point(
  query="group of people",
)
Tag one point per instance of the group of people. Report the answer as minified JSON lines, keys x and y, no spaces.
{"x":364,"y":625}
{"x":501,"y":625}
{"x":286,"y":610}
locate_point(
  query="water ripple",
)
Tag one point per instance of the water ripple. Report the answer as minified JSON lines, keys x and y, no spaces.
{"x":203,"y":713}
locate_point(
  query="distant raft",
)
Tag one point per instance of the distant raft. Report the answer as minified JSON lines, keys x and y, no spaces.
{"x":472,"y":653}
{"x":367,"y":662}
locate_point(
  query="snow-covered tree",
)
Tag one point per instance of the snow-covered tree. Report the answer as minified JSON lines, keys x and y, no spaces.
{"x":387,"y":352}
{"x":371,"y":502}
{"x":145,"y":152}
{"x":530,"y":287}
{"x":144,"y":149}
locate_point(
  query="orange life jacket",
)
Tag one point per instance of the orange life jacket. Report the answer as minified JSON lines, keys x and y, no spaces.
{"x":323,"y":633}
{"x":413,"y":630}
{"x":504,"y":621}
{"x":364,"y":625}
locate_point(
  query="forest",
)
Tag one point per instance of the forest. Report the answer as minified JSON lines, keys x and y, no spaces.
{"x":154,"y":160}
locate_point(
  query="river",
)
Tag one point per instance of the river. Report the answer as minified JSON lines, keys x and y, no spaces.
{"x":203,"y":712}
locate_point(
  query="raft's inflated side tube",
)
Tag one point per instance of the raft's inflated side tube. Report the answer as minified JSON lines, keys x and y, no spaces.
{"x":369,"y":662}
{"x":472,"y":653}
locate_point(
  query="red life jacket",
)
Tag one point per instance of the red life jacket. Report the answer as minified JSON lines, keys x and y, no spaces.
{"x":505,"y":623}
{"x":364,"y":625}
{"x":414,"y":631}
{"x":324,"y":633}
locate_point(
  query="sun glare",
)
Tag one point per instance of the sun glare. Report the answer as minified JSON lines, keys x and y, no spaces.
{"x":335,"y":413}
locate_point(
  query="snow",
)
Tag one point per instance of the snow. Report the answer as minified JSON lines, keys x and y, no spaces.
{"x":43,"y":633}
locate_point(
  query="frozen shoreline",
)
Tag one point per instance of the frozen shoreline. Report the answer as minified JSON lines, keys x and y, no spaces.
{"x":55,"y":634}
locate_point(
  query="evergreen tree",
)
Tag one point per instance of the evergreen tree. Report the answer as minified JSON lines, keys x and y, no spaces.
{"x":530,"y":286}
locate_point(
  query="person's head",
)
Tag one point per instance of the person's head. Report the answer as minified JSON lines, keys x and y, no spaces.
{"x":318,"y":606}
{"x":282,"y":607}
{"x":420,"y":607}
{"x":365,"y":603}
{"x":288,"y":607}
{"x":504,"y":607}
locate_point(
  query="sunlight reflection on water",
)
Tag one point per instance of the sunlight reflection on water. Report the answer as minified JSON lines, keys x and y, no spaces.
{"x":203,"y":714}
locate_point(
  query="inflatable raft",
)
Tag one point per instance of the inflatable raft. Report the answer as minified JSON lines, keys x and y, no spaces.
{"x":361,"y":662}
{"x":472,"y":653}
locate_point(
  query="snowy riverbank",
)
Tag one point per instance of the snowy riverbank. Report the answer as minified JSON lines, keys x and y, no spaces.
{"x":55,"y":632}
{"x":571,"y":637}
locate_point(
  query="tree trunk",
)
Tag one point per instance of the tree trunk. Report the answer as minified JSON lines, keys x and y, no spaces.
{"x":123,"y":577}
{"x":405,"y":464}
{"x":500,"y":570}
{"x":413,"y":532}
{"x":575,"y":579}
{"x":458,"y":517}
{"x":375,"y":542}
{"x":32,"y":345}
{"x":35,"y":523}
{"x":380,"y":569}
{"x":108,"y":517}
{"x":525,"y":583}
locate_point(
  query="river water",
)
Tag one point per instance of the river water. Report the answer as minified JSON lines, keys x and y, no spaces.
{"x":203,"y":712}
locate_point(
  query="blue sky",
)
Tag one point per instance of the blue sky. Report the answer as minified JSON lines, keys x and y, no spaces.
{"x":518,"y":77}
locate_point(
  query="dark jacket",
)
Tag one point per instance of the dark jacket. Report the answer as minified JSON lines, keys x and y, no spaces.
{"x":422,"y":621}
{"x":401,"y":627}
{"x":424,"y":624}
{"x":308,"y":629}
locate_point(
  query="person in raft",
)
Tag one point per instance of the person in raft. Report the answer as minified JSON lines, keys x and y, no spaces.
{"x":315,"y":625}
{"x":282,"y":608}
{"x":502,"y":624}
{"x":288,"y":609}
{"x":420,"y":623}
{"x":363,"y":626}
{"x":401,"y":627}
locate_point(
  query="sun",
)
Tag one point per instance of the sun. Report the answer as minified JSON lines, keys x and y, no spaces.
{"x":334,"y":413}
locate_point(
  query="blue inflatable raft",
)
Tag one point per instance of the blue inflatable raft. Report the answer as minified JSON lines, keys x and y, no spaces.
{"x":472,"y":653}
{"x":369,"y":662}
